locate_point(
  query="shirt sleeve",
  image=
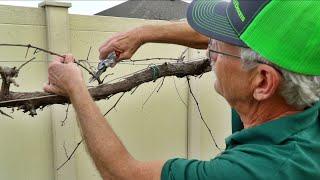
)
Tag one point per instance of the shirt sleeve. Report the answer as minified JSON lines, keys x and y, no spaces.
{"x":226,"y":167}
{"x":183,"y":169}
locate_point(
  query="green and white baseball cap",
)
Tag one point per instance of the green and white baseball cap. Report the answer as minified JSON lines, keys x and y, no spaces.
{"x":286,"y":32}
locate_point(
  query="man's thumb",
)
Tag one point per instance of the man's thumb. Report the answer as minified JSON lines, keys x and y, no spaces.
{"x":49,"y":88}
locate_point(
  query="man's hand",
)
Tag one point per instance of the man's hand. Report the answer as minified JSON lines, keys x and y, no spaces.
{"x":64,"y":76}
{"x":125,"y":44}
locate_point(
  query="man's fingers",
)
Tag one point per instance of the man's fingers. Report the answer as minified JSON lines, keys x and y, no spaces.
{"x":104,"y":51}
{"x":58,"y":59}
{"x":124,"y":55}
{"x":108,"y":42}
{"x":54,"y":63}
{"x":69,"y":58}
{"x":49,"y":88}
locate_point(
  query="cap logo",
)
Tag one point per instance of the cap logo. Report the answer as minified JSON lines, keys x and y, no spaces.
{"x":237,"y":7}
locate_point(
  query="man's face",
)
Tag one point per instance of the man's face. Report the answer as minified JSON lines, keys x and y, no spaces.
{"x":232,"y":82}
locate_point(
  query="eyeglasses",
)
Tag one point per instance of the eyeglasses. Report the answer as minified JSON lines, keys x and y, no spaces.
{"x":212,"y":54}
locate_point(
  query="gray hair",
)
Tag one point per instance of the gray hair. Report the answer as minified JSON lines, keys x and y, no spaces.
{"x":298,"y":90}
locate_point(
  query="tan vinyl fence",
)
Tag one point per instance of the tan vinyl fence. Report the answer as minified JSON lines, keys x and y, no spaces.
{"x":161,"y":128}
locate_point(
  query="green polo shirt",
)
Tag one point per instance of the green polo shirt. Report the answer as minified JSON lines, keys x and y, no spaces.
{"x":285,"y":148}
{"x":236,"y":123}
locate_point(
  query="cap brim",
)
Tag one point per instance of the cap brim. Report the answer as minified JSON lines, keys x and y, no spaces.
{"x":209,"y":17}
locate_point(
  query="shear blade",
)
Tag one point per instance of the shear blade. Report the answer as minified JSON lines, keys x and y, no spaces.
{"x":93,"y":78}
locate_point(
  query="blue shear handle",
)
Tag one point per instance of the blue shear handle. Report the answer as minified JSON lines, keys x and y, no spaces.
{"x":109,"y":61}
{"x":112,"y":56}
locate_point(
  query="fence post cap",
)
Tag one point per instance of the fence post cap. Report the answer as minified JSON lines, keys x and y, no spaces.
{"x":55,"y":4}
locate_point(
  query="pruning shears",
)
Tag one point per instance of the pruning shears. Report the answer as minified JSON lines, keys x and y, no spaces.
{"x":103,"y":65}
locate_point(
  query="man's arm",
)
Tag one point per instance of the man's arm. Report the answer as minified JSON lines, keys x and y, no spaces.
{"x":127,"y":43}
{"x":104,"y":145}
{"x":110,"y":156}
{"x":175,"y":33}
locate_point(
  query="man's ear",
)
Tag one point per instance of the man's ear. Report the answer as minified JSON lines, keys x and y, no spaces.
{"x":266,"y":81}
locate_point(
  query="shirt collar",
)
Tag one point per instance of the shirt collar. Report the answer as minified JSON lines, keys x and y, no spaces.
{"x":276,"y":131}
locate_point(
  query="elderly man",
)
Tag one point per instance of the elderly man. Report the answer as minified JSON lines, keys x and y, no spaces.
{"x":264,"y":54}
